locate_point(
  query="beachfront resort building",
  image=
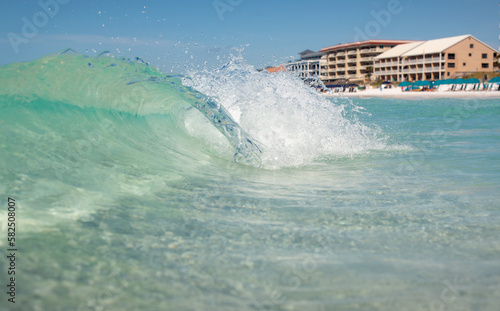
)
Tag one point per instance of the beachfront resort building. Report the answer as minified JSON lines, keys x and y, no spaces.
{"x":307,"y":66}
{"x":352,"y":62}
{"x":445,"y":58}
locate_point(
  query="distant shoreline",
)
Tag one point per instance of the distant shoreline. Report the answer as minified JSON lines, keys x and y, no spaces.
{"x":397,"y":93}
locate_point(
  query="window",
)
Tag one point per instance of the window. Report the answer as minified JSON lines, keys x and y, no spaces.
{"x":451,"y":55}
{"x":448,"y":74}
{"x":451,"y":65}
{"x":471,"y":45}
{"x":485,"y":55}
{"x":485,"y":65}
{"x":464,"y":64}
{"x":470,"y":54}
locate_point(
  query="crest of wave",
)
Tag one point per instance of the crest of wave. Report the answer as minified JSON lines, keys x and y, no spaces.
{"x":292,"y":123}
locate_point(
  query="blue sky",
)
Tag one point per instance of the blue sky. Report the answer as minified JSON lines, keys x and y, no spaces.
{"x":172,"y":35}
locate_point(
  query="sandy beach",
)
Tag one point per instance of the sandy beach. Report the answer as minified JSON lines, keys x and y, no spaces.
{"x":397,"y":93}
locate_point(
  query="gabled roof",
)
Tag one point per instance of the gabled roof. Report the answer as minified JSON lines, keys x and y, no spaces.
{"x":399,"y":50}
{"x":306,"y":52}
{"x":435,"y":46}
{"x":427,"y":47}
{"x":363,"y":43}
{"x":312,"y":55}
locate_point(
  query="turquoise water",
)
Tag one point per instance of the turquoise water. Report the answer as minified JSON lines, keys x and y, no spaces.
{"x":129,"y":196}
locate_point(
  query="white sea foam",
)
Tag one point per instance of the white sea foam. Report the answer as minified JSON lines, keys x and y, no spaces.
{"x":291,"y":121}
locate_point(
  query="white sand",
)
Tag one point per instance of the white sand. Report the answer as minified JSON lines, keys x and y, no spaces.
{"x":397,"y":93}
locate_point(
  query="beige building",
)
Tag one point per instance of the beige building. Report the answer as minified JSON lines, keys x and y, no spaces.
{"x":351,"y":61}
{"x":434,"y":59}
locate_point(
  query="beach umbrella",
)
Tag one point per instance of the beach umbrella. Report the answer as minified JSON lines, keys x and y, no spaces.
{"x":495,"y":80}
{"x":444,"y":82}
{"x":404,"y":83}
{"x":472,"y":81}
{"x":459,"y":81}
{"x":448,"y":81}
{"x":422,"y":83}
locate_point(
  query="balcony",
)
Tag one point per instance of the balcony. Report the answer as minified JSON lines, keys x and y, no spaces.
{"x":364,"y":51}
{"x":387,"y":72}
{"x":381,"y":65}
{"x":421,"y":60}
{"x":352,"y":52}
{"x":419,"y":70}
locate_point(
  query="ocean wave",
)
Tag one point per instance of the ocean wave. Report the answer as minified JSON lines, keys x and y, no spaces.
{"x":270,"y":120}
{"x":294,"y":124}
{"x":121,"y":84}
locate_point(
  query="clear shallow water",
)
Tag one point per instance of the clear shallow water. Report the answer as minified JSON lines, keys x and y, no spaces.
{"x":130,"y":202}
